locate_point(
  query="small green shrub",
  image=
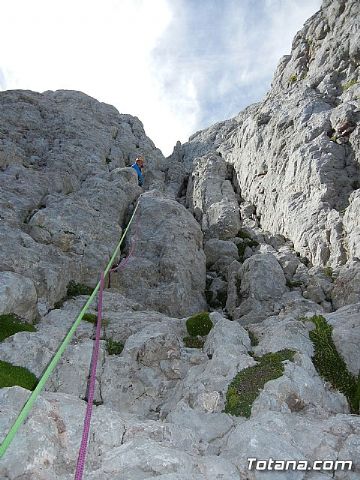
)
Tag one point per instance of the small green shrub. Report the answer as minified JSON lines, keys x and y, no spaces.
{"x":11,"y":375}
{"x":349,"y":84}
{"x":90,"y":317}
{"x":199,"y":324}
{"x":247,"y":384}
{"x":193,"y":342}
{"x":330,"y":365}
{"x":11,"y":324}
{"x":75,"y":289}
{"x":113,"y":347}
{"x":293,"y":78}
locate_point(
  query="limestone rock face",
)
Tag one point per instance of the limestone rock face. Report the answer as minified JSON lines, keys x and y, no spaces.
{"x":63,"y":187}
{"x":303,"y":177}
{"x":212,"y":199}
{"x":167,"y":271}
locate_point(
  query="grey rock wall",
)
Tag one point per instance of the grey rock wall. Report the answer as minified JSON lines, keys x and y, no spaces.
{"x":64,"y":190}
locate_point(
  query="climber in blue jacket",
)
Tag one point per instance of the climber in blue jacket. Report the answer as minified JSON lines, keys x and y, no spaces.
{"x":138,"y":166}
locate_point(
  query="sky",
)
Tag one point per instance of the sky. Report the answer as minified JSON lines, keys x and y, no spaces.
{"x":178,"y":65}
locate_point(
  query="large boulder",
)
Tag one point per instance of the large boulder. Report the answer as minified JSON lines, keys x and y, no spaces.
{"x":211,"y":197}
{"x":346,"y":288}
{"x":167,"y":270}
{"x":17,"y":295}
{"x":346,"y":335}
{"x":260,"y":284}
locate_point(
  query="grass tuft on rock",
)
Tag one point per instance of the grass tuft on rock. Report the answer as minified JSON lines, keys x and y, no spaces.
{"x":74,"y":289}
{"x":90,"y":317}
{"x":247,"y":384}
{"x":113,"y":347}
{"x":330,"y":365}
{"x":11,"y":375}
{"x":11,"y":324}
{"x":193,"y":342}
{"x":199,"y":324}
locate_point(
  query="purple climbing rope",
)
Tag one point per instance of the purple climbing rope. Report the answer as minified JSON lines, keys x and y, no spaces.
{"x":134,"y":240}
{"x":94,"y":360}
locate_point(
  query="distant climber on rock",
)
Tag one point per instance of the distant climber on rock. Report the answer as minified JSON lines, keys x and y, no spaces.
{"x":138,"y":167}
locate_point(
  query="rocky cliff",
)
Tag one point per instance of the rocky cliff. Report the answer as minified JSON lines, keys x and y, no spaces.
{"x":255,"y":219}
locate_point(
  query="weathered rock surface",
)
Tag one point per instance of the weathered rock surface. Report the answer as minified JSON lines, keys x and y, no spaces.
{"x":18,"y":295}
{"x":212,"y":199}
{"x":167,"y":271}
{"x":260,"y":286}
{"x":272,"y":432}
{"x":62,"y":202}
{"x":287,"y":137}
{"x":346,"y":335}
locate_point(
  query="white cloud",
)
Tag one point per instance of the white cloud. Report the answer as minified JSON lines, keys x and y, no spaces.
{"x":156,"y":59}
{"x":228,"y":49}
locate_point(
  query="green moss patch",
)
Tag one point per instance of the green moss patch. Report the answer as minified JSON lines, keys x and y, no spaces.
{"x":330,"y":365}
{"x":247,"y":384}
{"x":199,"y":324}
{"x":113,"y":347}
{"x":11,"y":375}
{"x":11,"y":324}
{"x":193,"y":342}
{"x":92,"y":318}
